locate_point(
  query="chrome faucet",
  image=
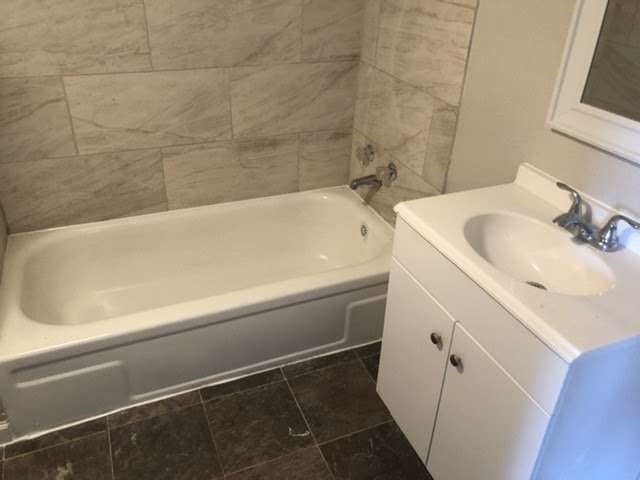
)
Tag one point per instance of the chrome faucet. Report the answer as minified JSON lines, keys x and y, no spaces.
{"x":575,"y":211}
{"x":369,"y":180}
{"x":578,"y":223}
{"x":383,"y":176}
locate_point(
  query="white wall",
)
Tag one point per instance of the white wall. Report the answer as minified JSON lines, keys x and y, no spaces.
{"x":515,"y":55}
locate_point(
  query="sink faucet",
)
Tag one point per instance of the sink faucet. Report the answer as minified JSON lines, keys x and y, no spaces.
{"x":383,"y":176}
{"x":575,"y":221}
{"x":575,"y":211}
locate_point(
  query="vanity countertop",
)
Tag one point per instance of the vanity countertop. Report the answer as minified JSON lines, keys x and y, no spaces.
{"x":571,"y":325}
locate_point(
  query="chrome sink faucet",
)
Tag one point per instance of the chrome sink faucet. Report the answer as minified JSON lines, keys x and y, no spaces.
{"x":575,"y":211}
{"x":579,"y":224}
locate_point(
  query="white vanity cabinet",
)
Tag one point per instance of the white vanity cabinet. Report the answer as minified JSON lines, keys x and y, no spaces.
{"x":417,"y":338}
{"x":488,"y":428}
{"x":485,"y":418}
{"x":549,"y":387}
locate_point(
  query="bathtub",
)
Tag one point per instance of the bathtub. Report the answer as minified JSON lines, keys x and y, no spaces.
{"x":102,"y":316}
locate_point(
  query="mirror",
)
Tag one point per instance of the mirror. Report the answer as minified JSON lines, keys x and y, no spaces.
{"x":597,"y":97}
{"x":613,"y":83}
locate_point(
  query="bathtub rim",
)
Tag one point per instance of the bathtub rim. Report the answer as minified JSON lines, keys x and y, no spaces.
{"x":150,"y":217}
{"x":50,"y":339}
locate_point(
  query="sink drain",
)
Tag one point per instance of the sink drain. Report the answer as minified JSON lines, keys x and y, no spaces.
{"x":536,"y":284}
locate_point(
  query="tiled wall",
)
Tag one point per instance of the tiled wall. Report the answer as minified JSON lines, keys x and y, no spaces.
{"x":3,"y":239}
{"x":412,"y":69}
{"x":117,"y":107}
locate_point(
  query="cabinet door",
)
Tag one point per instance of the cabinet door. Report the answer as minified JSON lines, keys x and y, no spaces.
{"x":488,"y":428}
{"x":411,"y":365}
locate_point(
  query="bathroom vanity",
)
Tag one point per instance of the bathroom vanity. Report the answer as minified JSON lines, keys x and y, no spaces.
{"x":511,"y":351}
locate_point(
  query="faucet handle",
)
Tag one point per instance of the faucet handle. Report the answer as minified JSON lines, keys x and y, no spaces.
{"x":608,"y":235}
{"x":576,"y":206}
{"x":388,"y":174}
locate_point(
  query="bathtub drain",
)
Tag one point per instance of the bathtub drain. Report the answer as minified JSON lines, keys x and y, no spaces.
{"x":364,"y":230}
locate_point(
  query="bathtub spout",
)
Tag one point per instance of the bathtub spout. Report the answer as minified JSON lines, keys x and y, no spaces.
{"x":369,"y":180}
{"x":384,"y":176}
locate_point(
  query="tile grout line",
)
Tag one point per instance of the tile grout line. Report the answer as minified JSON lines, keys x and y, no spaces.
{"x":342,"y":437}
{"x":462,"y":88}
{"x":266,"y":462}
{"x":148,"y":34}
{"x":298,"y":172}
{"x":301,"y":30}
{"x":247,"y":139}
{"x":111,"y":462}
{"x":213,"y":441}
{"x":378,"y":27}
{"x":363,"y":365}
{"x":425,"y":89}
{"x":320,"y":61}
{"x":65,"y":442}
{"x":229,"y":76}
{"x":164,"y":181}
{"x":313,"y":437}
{"x":320,"y":369}
{"x":74,"y":138}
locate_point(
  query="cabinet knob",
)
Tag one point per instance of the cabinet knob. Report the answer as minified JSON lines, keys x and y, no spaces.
{"x":436,"y":339}
{"x":456,"y":361}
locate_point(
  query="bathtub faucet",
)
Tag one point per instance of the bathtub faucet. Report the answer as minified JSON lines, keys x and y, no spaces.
{"x":383,"y":176}
{"x":369,"y":180}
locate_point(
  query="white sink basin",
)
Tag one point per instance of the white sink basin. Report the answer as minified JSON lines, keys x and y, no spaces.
{"x":541,"y":255}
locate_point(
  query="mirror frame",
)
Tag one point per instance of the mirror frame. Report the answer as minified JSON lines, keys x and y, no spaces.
{"x":610,"y":132}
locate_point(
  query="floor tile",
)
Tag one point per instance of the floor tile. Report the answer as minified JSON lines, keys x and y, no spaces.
{"x":84,"y":459}
{"x":314,"y":364}
{"x":339,"y":400}
{"x":246,"y":383}
{"x":303,"y":465}
{"x":56,"y":438}
{"x":369,"y":350}
{"x":257,"y":426}
{"x":372,"y":364}
{"x":175,"y":446}
{"x":379,"y":453}
{"x":154,"y":409}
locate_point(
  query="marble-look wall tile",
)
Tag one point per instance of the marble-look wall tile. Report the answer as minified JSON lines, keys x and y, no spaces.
{"x":282,"y":99}
{"x":332,"y":29}
{"x":48,"y":37}
{"x":128,"y":111}
{"x":228,"y":171}
{"x":324,"y":159}
{"x":53,"y":192}
{"x":426,"y":43}
{"x":465,"y":3}
{"x":205,"y":33}
{"x":34,"y":122}
{"x":396,"y":115}
{"x":4,"y":232}
{"x":440,"y":144}
{"x":408,"y":185}
{"x":370,"y":31}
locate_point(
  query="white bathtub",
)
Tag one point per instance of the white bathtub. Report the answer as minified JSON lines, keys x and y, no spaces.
{"x":101,"y":316}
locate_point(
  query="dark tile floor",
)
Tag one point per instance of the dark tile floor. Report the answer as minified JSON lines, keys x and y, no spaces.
{"x":316,"y":420}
